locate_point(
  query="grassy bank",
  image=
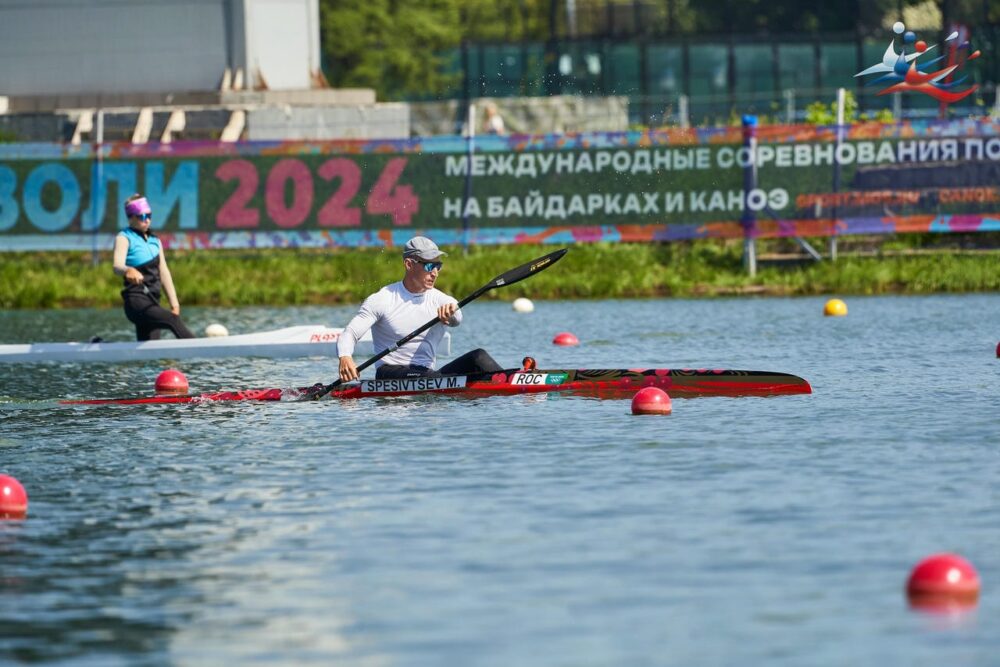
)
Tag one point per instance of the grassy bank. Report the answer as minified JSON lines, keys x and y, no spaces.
{"x":286,"y":277}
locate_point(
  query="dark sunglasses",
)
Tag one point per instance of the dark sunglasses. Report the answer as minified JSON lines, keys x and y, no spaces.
{"x":428,"y":266}
{"x":144,"y":217}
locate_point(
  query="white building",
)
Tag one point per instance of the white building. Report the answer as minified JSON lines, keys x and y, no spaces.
{"x":150,"y":70}
{"x":86,"y":47}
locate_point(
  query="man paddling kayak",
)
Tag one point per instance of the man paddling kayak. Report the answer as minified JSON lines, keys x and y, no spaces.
{"x":140,"y":260}
{"x":399,"y":308}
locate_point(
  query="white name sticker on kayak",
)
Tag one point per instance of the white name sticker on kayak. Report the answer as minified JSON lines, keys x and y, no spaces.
{"x":411,"y":385}
{"x":537,"y":378}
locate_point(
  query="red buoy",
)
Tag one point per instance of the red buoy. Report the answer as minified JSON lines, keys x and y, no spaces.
{"x":13,"y":498}
{"x":998,"y":350}
{"x":565,"y":338}
{"x":943,"y":577}
{"x":651,"y":401}
{"x":171,"y":381}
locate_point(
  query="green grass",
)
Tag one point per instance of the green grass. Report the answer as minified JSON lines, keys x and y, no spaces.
{"x":905,"y":275}
{"x":592,"y":271}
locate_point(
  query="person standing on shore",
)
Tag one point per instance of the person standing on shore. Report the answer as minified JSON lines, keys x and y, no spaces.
{"x":397,"y":309}
{"x":493,"y":122}
{"x":139,"y":258}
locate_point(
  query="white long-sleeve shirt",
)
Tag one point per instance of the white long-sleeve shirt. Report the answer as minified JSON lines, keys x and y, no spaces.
{"x":393,"y":312}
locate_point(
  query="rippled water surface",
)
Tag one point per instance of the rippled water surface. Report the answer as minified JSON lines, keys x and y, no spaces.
{"x":524,"y":530}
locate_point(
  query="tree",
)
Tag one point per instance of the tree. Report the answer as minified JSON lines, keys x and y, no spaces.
{"x":407,"y":49}
{"x":393,"y":46}
{"x":792,"y":16}
{"x":400,"y":48}
{"x":505,"y":20}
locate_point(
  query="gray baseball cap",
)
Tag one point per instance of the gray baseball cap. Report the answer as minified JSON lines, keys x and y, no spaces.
{"x":422,"y":248}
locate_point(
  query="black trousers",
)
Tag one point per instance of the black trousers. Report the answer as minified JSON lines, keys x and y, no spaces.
{"x":149,"y":317}
{"x":476,"y":361}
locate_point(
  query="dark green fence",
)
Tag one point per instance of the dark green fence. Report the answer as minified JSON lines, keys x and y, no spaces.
{"x":718,"y":76}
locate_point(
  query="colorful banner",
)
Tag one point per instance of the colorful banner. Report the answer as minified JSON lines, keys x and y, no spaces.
{"x":636,"y":186}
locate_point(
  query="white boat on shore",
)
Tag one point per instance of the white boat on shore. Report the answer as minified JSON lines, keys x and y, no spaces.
{"x":298,"y":341}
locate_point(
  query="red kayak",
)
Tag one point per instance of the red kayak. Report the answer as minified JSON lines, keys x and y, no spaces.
{"x":619,"y":383}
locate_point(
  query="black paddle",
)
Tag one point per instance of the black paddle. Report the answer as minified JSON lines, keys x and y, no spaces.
{"x":509,"y":278}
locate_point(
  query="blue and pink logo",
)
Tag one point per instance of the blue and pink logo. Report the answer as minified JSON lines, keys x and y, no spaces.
{"x":902,"y":72}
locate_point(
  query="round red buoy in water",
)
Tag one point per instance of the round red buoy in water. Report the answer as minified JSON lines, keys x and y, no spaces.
{"x":171,"y":381}
{"x":998,"y":350}
{"x":13,"y":498}
{"x":651,"y":401}
{"x":565,"y":338}
{"x":943,"y":577}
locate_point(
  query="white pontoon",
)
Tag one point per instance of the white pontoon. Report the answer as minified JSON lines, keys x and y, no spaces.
{"x":299,"y":341}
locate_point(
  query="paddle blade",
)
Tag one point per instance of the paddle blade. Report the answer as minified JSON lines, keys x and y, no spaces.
{"x":529,"y":269}
{"x":517,"y":274}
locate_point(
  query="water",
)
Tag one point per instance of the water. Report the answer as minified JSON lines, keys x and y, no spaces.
{"x":526,"y":530}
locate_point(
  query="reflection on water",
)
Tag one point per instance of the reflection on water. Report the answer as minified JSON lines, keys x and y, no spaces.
{"x":518,"y":530}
